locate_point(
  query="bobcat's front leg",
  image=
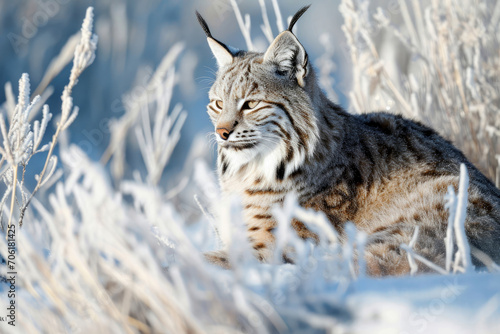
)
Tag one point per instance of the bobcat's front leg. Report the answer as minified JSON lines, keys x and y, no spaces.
{"x":262,"y":242}
{"x":260,"y":233}
{"x":260,"y":226}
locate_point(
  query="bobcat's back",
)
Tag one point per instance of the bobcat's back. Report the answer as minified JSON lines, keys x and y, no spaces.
{"x":391,"y":175}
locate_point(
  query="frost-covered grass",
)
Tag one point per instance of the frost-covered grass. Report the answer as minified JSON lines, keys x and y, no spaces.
{"x":107,"y":254}
{"x":433,"y":61}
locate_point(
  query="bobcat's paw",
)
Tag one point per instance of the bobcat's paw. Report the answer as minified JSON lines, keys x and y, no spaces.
{"x":219,"y":258}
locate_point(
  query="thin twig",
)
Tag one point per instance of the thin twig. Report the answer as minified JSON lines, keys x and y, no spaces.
{"x":14,"y":185}
{"x":462,"y":243}
{"x":424,"y":260}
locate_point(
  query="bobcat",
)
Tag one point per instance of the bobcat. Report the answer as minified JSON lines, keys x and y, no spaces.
{"x":278,"y":133}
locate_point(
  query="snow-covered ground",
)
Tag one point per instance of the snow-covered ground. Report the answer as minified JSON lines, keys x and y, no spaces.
{"x":468,"y":303}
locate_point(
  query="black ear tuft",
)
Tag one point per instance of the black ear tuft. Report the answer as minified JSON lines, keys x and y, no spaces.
{"x":203,"y":24}
{"x":296,"y":17}
{"x":222,"y":53}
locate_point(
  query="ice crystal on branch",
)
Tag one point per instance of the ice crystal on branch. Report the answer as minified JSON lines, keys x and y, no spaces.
{"x":85,"y":50}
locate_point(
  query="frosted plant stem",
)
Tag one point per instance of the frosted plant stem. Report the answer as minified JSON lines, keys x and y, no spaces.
{"x":495,"y":17}
{"x":486,"y":260}
{"x":13,"y":200}
{"x":350,"y":230}
{"x":41,"y":175}
{"x":422,"y":259}
{"x":462,"y":243}
{"x":83,"y":57}
{"x":396,"y":92}
{"x":2,"y":203}
{"x":408,"y":22}
{"x":452,"y":208}
{"x":318,"y":219}
{"x":127,"y":121}
{"x":266,"y":27}
{"x":211,"y":220}
{"x":419,"y":21}
{"x":360,"y":243}
{"x":244,"y":28}
{"x":411,"y":259}
{"x":1,"y":164}
{"x":456,"y":262}
{"x":279,"y":19}
{"x":58,"y":63}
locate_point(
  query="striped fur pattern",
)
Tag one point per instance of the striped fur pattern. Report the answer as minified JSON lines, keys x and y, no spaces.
{"x":277,"y":133}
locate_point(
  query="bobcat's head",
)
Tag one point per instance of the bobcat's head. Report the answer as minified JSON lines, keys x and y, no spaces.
{"x":261,"y":104}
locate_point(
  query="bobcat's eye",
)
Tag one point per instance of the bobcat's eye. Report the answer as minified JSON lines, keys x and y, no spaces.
{"x":250,"y":104}
{"x":219,"y":104}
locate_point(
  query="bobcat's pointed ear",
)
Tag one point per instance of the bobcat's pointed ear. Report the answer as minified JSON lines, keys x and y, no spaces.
{"x":222,"y":53}
{"x":289,"y":55}
{"x":287,"y":52}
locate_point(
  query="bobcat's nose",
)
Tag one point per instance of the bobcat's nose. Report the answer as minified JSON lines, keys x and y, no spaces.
{"x":224,"y":129}
{"x":223,"y":133}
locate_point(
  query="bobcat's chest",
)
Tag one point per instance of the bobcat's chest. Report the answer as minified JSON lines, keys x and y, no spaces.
{"x":255,"y":186}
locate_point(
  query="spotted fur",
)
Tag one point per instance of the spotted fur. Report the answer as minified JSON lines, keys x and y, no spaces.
{"x":380,"y":171}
